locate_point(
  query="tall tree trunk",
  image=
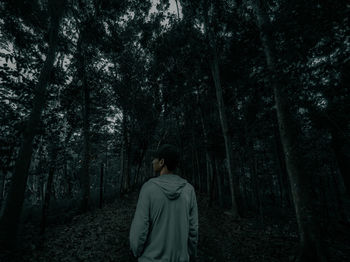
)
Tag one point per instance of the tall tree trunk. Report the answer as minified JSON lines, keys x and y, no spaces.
{"x":128,"y":163}
{"x":13,"y":207}
{"x":2,"y":187}
{"x":223,"y":121}
{"x":199,"y":174}
{"x":256,"y":190}
{"x":3,"y":175}
{"x":301,"y":181}
{"x":48,"y":192}
{"x":212,"y":183}
{"x":338,"y":196}
{"x":341,"y":147}
{"x":207,"y":161}
{"x":68,"y":177}
{"x":227,"y":137}
{"x":122,"y":156}
{"x":219,"y":183}
{"x":193,"y":158}
{"x":206,"y":144}
{"x":85,"y":169}
{"x":139,"y":165}
{"x":69,"y":180}
{"x":41,"y":181}
{"x":101,"y":185}
{"x":281,"y":167}
{"x":193,"y":176}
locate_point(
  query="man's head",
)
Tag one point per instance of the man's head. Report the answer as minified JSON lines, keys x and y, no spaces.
{"x":166,"y":157}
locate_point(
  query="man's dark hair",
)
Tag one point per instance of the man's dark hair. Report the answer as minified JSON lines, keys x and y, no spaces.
{"x":170,"y":155}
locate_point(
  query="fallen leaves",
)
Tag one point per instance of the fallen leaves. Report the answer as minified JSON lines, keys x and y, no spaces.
{"x":102,"y":235}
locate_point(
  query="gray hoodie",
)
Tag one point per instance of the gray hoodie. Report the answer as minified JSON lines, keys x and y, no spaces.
{"x":165,"y":224}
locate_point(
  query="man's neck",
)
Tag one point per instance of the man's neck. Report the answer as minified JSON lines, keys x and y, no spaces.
{"x":165,"y":171}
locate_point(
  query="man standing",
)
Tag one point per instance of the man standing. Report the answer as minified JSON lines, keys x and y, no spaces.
{"x":165,"y":224}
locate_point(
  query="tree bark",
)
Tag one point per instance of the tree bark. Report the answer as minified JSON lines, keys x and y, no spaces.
{"x":13,"y":207}
{"x":122,"y":156}
{"x":224,"y":126}
{"x":207,"y":162}
{"x":206,"y":145}
{"x":85,"y":169}
{"x":219,"y":183}
{"x":212,"y":182}
{"x":281,"y":168}
{"x":256,"y":190}
{"x":49,"y":187}
{"x":69,"y":180}
{"x":223,"y":118}
{"x":340,"y":147}
{"x":68,"y":177}
{"x":338,"y":195}
{"x":127,"y":170}
{"x":199,"y":174}
{"x":101,"y":185}
{"x":3,"y":173}
{"x":301,"y":181}
{"x":2,"y":187}
{"x":193,"y":176}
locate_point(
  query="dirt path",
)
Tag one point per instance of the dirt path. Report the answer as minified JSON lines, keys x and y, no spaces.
{"x":102,"y":235}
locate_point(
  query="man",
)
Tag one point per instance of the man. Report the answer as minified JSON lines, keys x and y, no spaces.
{"x":165,"y":224}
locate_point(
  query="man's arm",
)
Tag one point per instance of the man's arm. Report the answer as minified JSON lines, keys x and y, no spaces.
{"x":140,"y":224}
{"x":193,"y":229}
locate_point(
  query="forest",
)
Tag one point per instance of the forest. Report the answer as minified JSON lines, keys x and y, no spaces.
{"x":254,"y":94}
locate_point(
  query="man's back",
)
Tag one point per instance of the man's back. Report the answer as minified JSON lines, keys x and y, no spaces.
{"x":165,"y":225}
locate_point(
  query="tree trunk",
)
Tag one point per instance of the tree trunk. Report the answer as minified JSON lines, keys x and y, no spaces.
{"x":3,"y":175}
{"x":47,"y":198}
{"x":69,"y":180}
{"x":340,"y":147}
{"x":206,"y":144}
{"x":223,"y":119}
{"x":122,"y":169}
{"x":127,"y":170}
{"x":212,"y":182}
{"x":256,"y":190}
{"x":13,"y":207}
{"x":281,"y":167}
{"x":207,"y":162}
{"x":2,"y":187}
{"x":53,"y":150}
{"x":85,"y":169}
{"x":122,"y":156}
{"x":219,"y":183}
{"x":224,"y":126}
{"x":199,"y":174}
{"x":301,"y":181}
{"x":101,"y":185}
{"x":193,"y":176}
{"x":139,"y":165}
{"x":338,"y":196}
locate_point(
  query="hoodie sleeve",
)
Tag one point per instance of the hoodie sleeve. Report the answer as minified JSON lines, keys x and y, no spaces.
{"x":193,"y":227}
{"x":140,"y":224}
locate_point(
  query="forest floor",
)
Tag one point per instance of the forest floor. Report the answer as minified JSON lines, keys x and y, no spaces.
{"x":102,"y":235}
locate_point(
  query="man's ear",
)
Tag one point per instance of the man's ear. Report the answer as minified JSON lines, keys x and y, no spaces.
{"x":161,"y":162}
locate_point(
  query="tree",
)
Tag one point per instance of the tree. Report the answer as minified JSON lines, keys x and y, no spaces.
{"x":9,"y":220}
{"x":301,"y":181}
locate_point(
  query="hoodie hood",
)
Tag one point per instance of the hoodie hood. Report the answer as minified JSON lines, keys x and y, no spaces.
{"x":170,"y":184}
